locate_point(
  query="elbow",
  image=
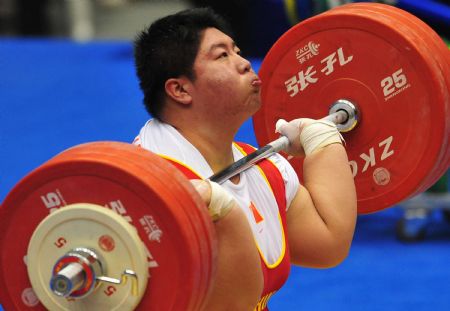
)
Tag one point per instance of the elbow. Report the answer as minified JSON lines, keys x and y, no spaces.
{"x":331,"y":260}
{"x":336,"y":249}
{"x":335,"y":258}
{"x":324,"y":257}
{"x":339,"y":247}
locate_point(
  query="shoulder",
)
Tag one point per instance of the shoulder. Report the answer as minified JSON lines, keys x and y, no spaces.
{"x":159,"y":137}
{"x":164,"y":140}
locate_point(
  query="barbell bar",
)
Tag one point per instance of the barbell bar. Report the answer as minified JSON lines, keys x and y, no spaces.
{"x":343,"y":113}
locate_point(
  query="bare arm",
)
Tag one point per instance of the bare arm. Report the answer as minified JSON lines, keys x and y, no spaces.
{"x":322,"y":216}
{"x":321,"y":219}
{"x":238,"y":281}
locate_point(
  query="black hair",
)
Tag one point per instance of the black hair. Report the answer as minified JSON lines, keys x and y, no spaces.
{"x":168,"y":48}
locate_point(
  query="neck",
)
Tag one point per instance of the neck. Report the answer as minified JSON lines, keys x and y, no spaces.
{"x":213,"y":143}
{"x":211,"y":134}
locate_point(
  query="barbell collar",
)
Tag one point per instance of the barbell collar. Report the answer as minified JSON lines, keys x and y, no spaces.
{"x":72,"y":273}
{"x":352,"y":115}
{"x":126,"y":274}
{"x":72,"y":277}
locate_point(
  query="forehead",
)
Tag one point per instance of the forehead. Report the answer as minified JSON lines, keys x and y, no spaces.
{"x":213,"y":37}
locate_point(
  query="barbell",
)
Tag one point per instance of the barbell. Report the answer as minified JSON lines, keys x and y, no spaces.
{"x":111,"y":226}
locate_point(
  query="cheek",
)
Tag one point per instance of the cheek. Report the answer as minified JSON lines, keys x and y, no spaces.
{"x":218,"y":77}
{"x":221,"y":86}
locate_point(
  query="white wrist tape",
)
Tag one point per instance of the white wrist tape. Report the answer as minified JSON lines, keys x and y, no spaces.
{"x":221,"y":201}
{"x":318,"y":134}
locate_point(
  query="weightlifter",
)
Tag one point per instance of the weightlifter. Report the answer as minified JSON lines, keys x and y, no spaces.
{"x":200,"y":90}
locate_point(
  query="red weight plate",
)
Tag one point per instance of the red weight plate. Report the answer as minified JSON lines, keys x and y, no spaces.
{"x":154,"y":197}
{"x":202,"y":228}
{"x":206,"y":251}
{"x":343,"y":54}
{"x":438,"y":50}
{"x":442,"y":56}
{"x":422,"y":35}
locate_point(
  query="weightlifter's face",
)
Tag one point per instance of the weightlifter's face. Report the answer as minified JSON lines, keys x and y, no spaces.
{"x":225,"y":82}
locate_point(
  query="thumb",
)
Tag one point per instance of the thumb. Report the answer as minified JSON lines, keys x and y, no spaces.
{"x":281,"y":123}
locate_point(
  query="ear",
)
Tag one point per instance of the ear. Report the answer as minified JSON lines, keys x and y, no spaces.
{"x":177,"y":89}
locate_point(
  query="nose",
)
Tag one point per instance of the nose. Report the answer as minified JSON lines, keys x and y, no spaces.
{"x":244,"y":65}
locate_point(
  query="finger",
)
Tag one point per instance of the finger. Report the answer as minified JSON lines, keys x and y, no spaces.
{"x":203,"y":188}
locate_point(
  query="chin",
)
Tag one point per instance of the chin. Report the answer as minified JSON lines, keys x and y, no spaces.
{"x":255,"y":104}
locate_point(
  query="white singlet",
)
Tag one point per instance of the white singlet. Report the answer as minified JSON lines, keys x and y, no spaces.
{"x":253,"y":193}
